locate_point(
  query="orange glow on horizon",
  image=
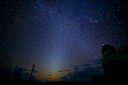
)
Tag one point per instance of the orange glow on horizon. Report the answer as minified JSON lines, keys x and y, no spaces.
{"x":55,"y":77}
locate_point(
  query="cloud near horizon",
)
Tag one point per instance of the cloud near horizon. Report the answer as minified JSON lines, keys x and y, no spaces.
{"x":84,"y":75}
{"x":63,"y":70}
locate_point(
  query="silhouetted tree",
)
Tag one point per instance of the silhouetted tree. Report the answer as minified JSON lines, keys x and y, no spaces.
{"x":18,"y":72}
{"x":114,"y":63}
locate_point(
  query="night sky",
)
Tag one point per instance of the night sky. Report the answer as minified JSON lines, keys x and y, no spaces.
{"x":63,"y":38}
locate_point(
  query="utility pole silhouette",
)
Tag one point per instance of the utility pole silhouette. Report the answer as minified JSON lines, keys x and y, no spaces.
{"x":32,"y":71}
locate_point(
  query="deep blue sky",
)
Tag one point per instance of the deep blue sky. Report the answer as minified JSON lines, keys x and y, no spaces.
{"x":59,"y":35}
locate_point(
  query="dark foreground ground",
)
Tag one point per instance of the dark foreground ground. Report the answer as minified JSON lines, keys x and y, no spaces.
{"x":11,"y":81}
{"x":96,"y":80}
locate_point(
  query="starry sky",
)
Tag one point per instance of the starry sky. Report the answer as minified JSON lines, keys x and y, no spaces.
{"x":60,"y":36}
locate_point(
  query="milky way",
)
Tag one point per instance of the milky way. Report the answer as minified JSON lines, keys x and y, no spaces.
{"x":56,"y":34}
{"x":66,"y":43}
